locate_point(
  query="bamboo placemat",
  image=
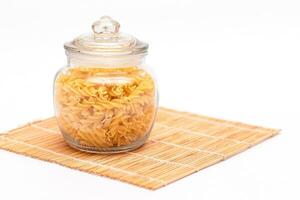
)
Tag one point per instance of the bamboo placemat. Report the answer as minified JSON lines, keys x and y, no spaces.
{"x":180,"y":144}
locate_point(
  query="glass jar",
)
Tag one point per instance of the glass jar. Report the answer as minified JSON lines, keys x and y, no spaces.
{"x":105,"y":99}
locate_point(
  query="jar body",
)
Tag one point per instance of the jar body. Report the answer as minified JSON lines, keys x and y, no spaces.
{"x":103,"y":106}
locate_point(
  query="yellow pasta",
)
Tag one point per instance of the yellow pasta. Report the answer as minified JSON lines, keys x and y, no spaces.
{"x":105,"y":107}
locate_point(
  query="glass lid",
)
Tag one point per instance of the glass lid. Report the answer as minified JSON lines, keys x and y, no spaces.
{"x":106,"y":41}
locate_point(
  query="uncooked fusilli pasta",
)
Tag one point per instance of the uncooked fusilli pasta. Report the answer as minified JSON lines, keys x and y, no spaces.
{"x":105,"y":107}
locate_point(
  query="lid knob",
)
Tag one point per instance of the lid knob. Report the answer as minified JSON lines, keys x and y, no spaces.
{"x":106,"y":25}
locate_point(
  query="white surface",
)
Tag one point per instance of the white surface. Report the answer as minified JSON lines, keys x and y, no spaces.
{"x":237,"y":60}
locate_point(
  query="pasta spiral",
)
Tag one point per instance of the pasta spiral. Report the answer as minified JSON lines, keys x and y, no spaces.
{"x":105,"y":107}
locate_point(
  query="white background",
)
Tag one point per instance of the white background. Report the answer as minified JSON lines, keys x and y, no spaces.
{"x":232,"y":59}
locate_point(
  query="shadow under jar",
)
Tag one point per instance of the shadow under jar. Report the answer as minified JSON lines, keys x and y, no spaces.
{"x":105,"y":100}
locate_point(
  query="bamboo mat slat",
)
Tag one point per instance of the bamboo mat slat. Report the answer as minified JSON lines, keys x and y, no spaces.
{"x":180,"y":144}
